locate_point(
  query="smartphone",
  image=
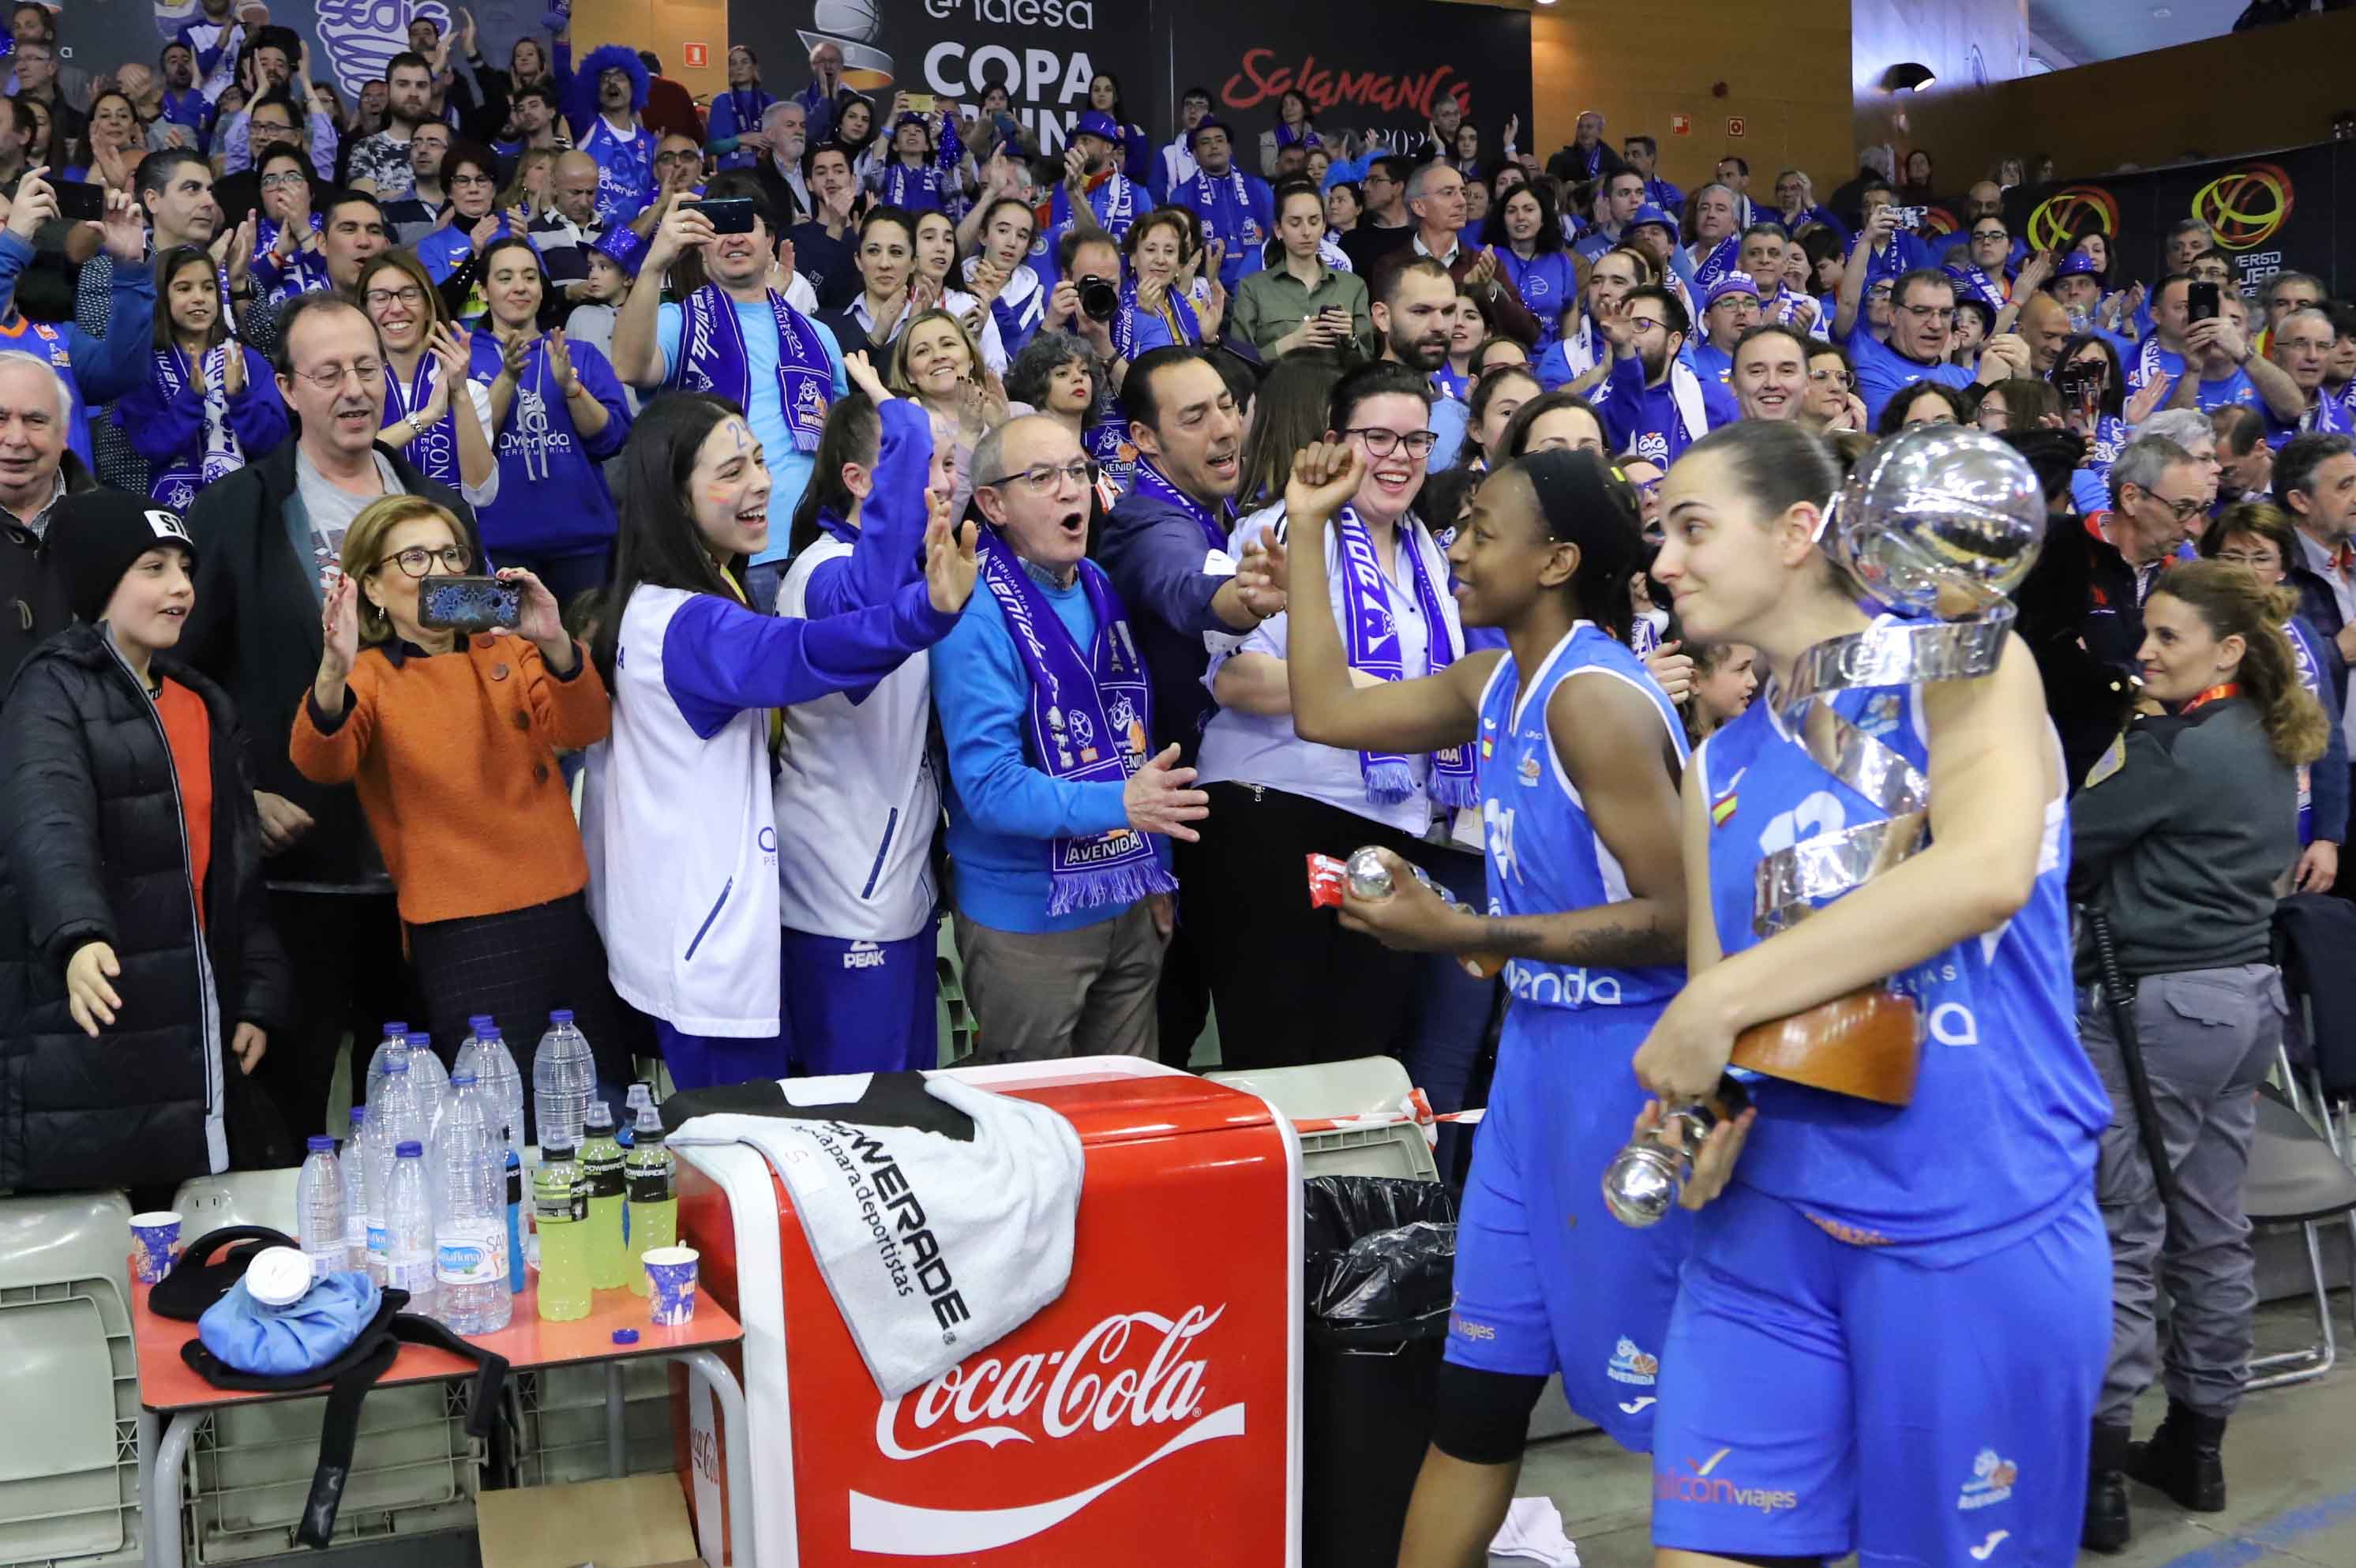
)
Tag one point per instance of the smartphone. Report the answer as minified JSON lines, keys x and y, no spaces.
{"x":728,"y":214}
{"x":2201,"y":302}
{"x":1911,"y":216}
{"x":2077,"y":383}
{"x":920,"y":103}
{"x":80,"y":202}
{"x":468,"y":604}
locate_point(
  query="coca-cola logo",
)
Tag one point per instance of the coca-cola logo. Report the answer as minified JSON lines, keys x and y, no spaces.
{"x":1133,"y":1370}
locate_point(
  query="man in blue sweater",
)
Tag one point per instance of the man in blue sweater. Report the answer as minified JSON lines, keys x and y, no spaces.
{"x":1057,"y":805}
{"x":1655,"y":404}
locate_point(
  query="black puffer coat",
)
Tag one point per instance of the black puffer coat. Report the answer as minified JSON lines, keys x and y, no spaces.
{"x":92,"y":849}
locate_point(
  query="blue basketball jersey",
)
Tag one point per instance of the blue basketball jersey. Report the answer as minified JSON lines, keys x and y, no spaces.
{"x":1543,"y":854}
{"x":2001,"y":1131}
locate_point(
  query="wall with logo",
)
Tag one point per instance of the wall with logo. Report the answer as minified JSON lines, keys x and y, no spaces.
{"x":351,"y":39}
{"x":1783,"y":69}
{"x":2246,"y":93}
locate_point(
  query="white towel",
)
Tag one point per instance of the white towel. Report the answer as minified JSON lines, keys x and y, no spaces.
{"x":1685,"y":388}
{"x":1533,"y":1533}
{"x":933,"y":1248}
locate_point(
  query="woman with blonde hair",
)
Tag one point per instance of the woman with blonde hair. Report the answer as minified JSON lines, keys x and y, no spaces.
{"x":936,"y":362}
{"x":451,"y":741}
{"x":2181,"y":838}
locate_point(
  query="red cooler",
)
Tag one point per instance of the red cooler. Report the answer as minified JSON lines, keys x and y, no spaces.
{"x":1149,"y":1415}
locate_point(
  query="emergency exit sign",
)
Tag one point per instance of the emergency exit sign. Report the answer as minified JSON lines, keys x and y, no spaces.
{"x":699,"y":58}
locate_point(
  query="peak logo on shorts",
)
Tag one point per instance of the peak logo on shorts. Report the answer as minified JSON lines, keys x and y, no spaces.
{"x":864,"y":955}
{"x":1688,"y":1482}
{"x":1630,"y":1365}
{"x":1991,"y":1482}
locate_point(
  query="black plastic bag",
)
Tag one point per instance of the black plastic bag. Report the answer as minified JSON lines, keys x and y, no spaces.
{"x":1380,"y":1259}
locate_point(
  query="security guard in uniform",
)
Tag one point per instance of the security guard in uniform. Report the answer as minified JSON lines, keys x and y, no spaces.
{"x":2181,"y":833}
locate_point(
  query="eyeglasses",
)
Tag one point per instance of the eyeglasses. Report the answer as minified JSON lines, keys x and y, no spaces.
{"x":2265,"y":558}
{"x":281,"y":181}
{"x":1991,"y":234}
{"x":1045,"y":479}
{"x":1879,"y":291}
{"x":1930,"y":312}
{"x":457,"y":180}
{"x":407,"y":294}
{"x":2185,"y":509}
{"x":1648,"y":488}
{"x":329,"y":378}
{"x":283,"y":128}
{"x":416,"y":561}
{"x":679,"y":157}
{"x":1381,"y":442}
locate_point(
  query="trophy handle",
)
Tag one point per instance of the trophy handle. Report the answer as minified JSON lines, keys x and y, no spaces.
{"x":1865,"y":1044}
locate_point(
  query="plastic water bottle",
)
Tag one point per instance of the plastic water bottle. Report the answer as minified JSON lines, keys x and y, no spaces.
{"x":432,"y":1081}
{"x":651,"y":1173}
{"x":353,"y":1162}
{"x":559,"y":1201}
{"x":395,"y":1041}
{"x":601,"y":1167}
{"x":409,"y":1226}
{"x":563,"y":1079}
{"x":392,"y":1122}
{"x":470,"y":1229}
{"x":320,"y":1207}
{"x":516,"y":1226}
{"x":502,"y":1085}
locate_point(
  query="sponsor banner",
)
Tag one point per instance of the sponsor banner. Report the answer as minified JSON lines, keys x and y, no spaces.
{"x":1044,"y":51}
{"x":2281,"y":212}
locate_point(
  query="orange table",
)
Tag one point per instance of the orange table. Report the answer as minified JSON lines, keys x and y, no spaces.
{"x":173,"y":1398}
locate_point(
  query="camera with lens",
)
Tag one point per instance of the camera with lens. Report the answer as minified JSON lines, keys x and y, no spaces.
{"x":1099,"y":299}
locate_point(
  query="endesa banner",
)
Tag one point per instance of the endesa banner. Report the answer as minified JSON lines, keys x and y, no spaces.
{"x":2285,"y":212}
{"x":1043,"y":52}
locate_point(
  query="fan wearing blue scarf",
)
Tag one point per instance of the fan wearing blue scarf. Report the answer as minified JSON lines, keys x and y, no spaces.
{"x":1059,"y":807}
{"x":1235,"y":208}
{"x":923,"y":174}
{"x":735,"y":335}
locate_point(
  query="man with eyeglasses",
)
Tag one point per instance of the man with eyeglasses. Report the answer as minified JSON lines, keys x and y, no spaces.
{"x":244,"y":137}
{"x":2302,"y":352}
{"x":1175,"y":165}
{"x":1655,"y":404}
{"x":2158,"y":495}
{"x":419,"y":213}
{"x":1061,"y":791}
{"x":269,"y":536}
{"x":380,"y":164}
{"x":1732,"y":310}
{"x":1922,"y":325}
{"x":1386,"y":227}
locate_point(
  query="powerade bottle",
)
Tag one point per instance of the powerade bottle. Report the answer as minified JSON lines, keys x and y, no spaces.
{"x":654,"y":1195}
{"x":559,"y":1202}
{"x":601,"y":1167}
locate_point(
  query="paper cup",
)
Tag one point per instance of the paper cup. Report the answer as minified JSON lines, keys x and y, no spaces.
{"x":671,"y":1276}
{"x":154,"y":1243}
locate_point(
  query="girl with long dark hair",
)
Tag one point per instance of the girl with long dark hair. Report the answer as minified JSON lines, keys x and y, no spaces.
{"x":1577,"y":757}
{"x":210,"y":404}
{"x":687,"y":901}
{"x":1525,"y":234}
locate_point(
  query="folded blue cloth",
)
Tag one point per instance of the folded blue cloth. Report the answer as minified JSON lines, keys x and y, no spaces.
{"x":279,"y":1340}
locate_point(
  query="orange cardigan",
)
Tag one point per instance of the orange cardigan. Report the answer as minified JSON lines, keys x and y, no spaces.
{"x":454,"y":759}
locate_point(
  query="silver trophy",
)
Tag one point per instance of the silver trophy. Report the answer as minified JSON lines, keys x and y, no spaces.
{"x":1936,"y":526}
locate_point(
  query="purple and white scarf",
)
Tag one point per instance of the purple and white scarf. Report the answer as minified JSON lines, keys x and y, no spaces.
{"x":1114,"y":203}
{"x":1184,"y":325}
{"x":1090,"y":720}
{"x":175,"y":486}
{"x":1371,"y":637}
{"x":1154,"y":484}
{"x":1973,"y":280}
{"x":435,"y":450}
{"x":712,"y":359}
{"x":1716,"y":265}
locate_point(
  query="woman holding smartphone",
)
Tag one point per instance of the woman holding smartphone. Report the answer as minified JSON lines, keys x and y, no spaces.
{"x":1303,"y":303}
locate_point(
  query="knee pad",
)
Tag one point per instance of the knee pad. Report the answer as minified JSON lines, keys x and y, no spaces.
{"x":1484,"y":1417}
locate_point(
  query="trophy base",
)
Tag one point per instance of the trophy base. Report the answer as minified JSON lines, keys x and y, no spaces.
{"x":1866,"y":1044}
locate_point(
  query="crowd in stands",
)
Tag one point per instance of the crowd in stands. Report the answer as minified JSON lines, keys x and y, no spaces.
{"x":897,"y":518}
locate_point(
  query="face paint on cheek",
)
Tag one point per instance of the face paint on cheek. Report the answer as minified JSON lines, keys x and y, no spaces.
{"x":718,"y":495}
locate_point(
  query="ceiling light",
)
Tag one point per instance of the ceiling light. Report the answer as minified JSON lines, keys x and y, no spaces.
{"x":1910,"y":76}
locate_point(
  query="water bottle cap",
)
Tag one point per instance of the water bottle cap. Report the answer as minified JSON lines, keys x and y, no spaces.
{"x":461,"y":1080}
{"x":489,"y":1032}
{"x":421,"y":1042}
{"x":278,"y":1276}
{"x":561,"y":1016}
{"x":359,"y":1114}
{"x":478,"y":1022}
{"x":625,"y":1336}
{"x":319,"y":1144}
{"x":396,"y":1029}
{"x":409,"y":1150}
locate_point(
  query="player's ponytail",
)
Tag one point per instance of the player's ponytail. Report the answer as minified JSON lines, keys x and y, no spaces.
{"x":2231,"y":602}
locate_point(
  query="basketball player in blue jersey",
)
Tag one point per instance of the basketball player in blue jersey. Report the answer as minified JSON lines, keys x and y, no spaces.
{"x":1894,"y":1324}
{"x":1577,"y":758}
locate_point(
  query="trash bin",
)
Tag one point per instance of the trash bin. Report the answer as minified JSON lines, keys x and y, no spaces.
{"x":1380,"y":1259}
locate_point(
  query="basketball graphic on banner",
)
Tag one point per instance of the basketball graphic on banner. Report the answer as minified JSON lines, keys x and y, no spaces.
{"x":852,"y":26}
{"x":2071,"y":211}
{"x":2245,"y":207}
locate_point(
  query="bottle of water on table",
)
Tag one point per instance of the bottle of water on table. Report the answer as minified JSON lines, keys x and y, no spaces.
{"x":392,"y":1121}
{"x":470,"y":1227}
{"x":395,"y":1042}
{"x":564,"y":1077}
{"x":408,"y":1226}
{"x":353,"y":1159}
{"x":320,"y":1207}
